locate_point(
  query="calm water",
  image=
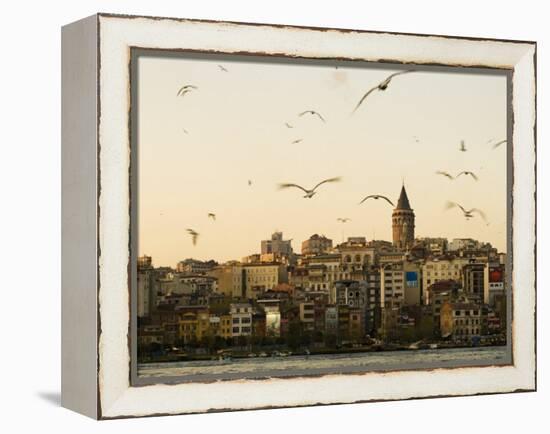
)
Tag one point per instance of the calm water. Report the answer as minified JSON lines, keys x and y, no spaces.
{"x":319,"y":364}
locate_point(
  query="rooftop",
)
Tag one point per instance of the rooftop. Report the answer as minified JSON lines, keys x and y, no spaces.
{"x":403,"y":201}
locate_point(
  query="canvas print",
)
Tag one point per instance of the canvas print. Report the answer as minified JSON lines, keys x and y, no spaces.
{"x":304,"y":217}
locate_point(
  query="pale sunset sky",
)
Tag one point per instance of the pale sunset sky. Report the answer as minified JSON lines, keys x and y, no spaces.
{"x":235,"y":123}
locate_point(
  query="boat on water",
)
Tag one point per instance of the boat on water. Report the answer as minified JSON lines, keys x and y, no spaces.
{"x":224,"y":355}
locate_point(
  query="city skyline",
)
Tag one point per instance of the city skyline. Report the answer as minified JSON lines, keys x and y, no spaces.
{"x":188,"y":169}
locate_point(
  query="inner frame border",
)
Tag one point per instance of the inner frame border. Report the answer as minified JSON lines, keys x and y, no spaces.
{"x":135,"y":52}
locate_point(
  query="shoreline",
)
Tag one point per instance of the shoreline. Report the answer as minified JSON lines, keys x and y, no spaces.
{"x":270,"y":354}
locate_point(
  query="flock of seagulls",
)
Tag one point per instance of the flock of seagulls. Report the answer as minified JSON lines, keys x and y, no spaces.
{"x":464,"y":172}
{"x":309,"y":193}
{"x":468,"y":213}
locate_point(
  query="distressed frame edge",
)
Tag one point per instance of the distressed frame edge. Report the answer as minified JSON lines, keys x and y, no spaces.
{"x":79,"y":142}
{"x":532,"y":45}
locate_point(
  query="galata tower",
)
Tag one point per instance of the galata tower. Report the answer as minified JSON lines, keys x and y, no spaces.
{"x":403,"y":222}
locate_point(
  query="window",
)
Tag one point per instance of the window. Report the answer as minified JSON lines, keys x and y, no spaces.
{"x":235,"y":320}
{"x":235,"y":329}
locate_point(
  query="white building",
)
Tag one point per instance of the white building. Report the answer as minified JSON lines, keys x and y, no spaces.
{"x":272,"y":316}
{"x":241,"y":319}
{"x":463,"y":244}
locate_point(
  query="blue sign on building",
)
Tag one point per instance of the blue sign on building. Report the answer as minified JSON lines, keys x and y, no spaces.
{"x":411,"y":277}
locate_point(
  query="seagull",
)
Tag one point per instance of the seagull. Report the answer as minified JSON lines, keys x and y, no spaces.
{"x":343,"y":220}
{"x":185,"y":131}
{"x":497,"y":144}
{"x":194,"y":234}
{"x":377,"y":196}
{"x":222,"y":68}
{"x":249,"y":182}
{"x":309,"y":193}
{"x":462,"y":146}
{"x":212,"y":216}
{"x":312,"y":112}
{"x":187,"y":88}
{"x":448,"y":175}
{"x":467,"y":213}
{"x":466,"y":172}
{"x":288,"y":125}
{"x":296,"y":141}
{"x":382,"y":86}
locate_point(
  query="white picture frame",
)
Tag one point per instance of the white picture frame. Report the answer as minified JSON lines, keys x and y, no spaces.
{"x":96,"y":355}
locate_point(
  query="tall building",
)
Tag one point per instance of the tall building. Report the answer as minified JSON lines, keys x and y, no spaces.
{"x":146,"y":286}
{"x":403,"y":222}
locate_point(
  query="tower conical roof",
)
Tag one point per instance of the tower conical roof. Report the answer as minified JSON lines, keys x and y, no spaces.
{"x":403,"y":201}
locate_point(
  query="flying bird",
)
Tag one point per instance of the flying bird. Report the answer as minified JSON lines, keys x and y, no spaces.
{"x":187,"y":88}
{"x":222,"y":68}
{"x":497,"y":144}
{"x":467,"y":172}
{"x":296,"y":141}
{"x":212,"y":216}
{"x":185,"y":131}
{"x":309,"y":193}
{"x":464,"y":172}
{"x":313,"y":113}
{"x":382,"y":86}
{"x":468,"y":213}
{"x":448,"y":175}
{"x":194,"y":235}
{"x":462,"y":146}
{"x":249,"y":182}
{"x":377,"y":196}
{"x":343,"y":219}
{"x":288,"y":125}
